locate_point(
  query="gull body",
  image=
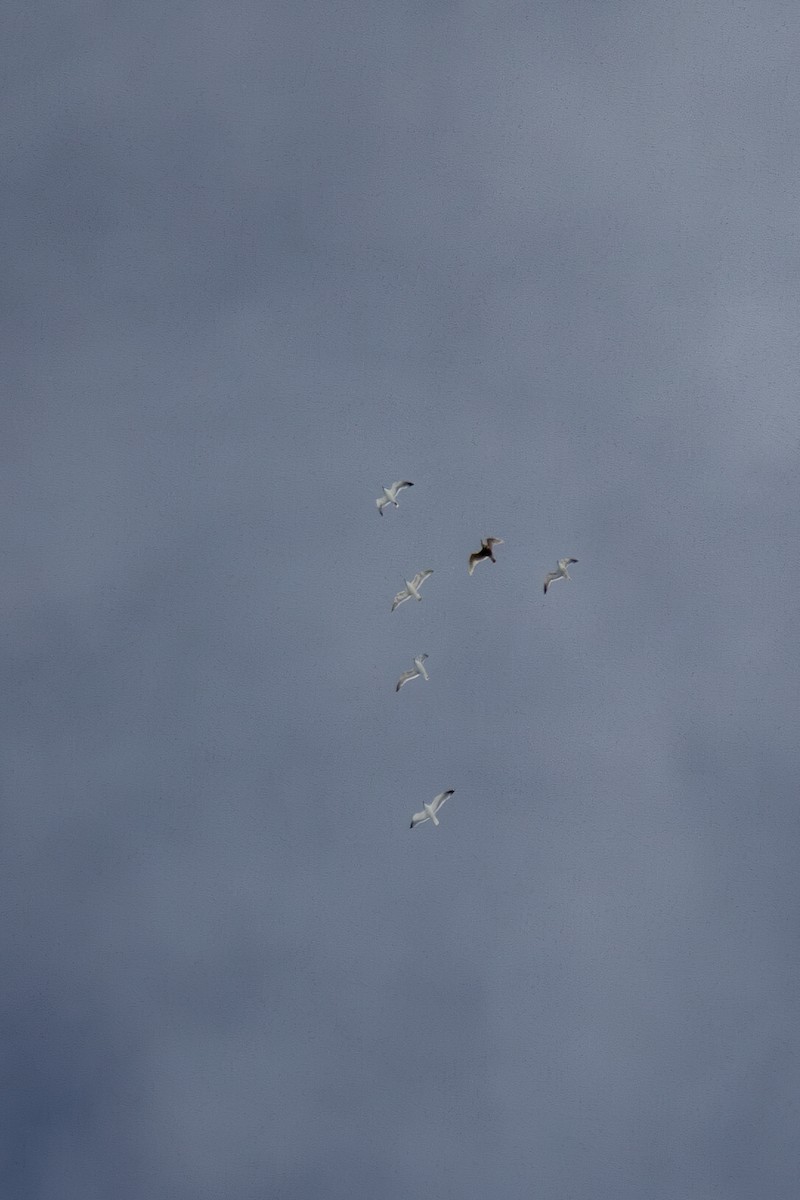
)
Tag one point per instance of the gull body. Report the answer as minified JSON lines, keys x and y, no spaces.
{"x":390,"y":494}
{"x":411,"y":589}
{"x":561,"y":573}
{"x":414,"y":672}
{"x":484,"y":552}
{"x":429,"y":811}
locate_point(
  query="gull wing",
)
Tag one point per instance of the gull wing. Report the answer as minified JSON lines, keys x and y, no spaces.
{"x":401,"y":483}
{"x":475,"y":558}
{"x":418,"y":818}
{"x":400,"y":597}
{"x":440,"y":799}
{"x":552,"y":576}
{"x":420,"y":577}
{"x":404,"y":678}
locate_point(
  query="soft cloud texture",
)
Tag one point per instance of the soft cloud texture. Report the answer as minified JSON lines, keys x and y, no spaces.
{"x":261,"y":261}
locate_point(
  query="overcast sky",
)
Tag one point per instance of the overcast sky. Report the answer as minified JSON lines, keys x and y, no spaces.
{"x":261,"y":259}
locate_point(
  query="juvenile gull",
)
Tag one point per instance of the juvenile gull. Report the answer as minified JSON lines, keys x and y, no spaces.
{"x":414,"y":672}
{"x":429,"y":811}
{"x":561,"y":573}
{"x":484,"y":552}
{"x":411,"y":589}
{"x":390,"y":494}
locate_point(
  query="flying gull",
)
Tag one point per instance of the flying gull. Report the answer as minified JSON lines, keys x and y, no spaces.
{"x":411,"y":589}
{"x":414,"y":672}
{"x":484,"y":552}
{"x":390,"y":494}
{"x":429,"y":811}
{"x":561,"y":573}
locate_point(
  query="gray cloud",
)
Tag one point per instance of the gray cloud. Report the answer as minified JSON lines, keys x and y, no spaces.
{"x":259,"y":264}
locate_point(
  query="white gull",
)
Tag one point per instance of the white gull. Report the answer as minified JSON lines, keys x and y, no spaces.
{"x":411,"y":589}
{"x":390,"y":494}
{"x":429,"y":811}
{"x":414,"y":672}
{"x":561,"y":573}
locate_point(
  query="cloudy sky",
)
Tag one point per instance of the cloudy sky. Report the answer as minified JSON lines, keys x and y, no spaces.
{"x":261,"y":259}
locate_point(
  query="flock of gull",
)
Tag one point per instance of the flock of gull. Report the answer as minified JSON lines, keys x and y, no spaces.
{"x":411,"y":591}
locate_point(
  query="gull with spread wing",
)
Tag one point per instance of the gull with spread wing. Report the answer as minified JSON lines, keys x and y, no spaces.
{"x":415,"y":672}
{"x":429,"y":811}
{"x":484,"y":552}
{"x":411,"y":589}
{"x":561,"y":573}
{"x":390,"y":494}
